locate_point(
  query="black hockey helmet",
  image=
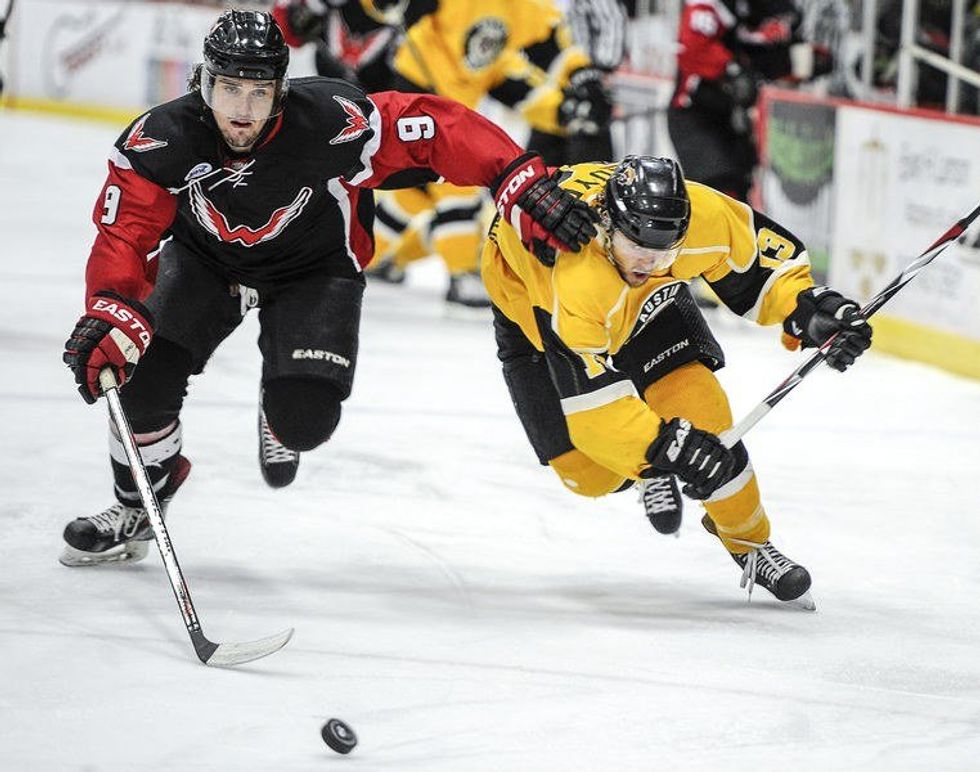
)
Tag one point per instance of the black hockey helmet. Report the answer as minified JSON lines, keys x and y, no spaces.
{"x":647,"y":201}
{"x":246,"y":44}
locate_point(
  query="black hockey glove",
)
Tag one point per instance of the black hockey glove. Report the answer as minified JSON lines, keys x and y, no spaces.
{"x":740,"y":85}
{"x":697,"y":457}
{"x":547,"y":217}
{"x":304,"y":23}
{"x":822,"y":312}
{"x":585,"y":107}
{"x":114,"y":332}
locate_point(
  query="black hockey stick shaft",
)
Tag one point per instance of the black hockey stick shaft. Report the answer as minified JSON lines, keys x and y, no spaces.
{"x":208,"y":652}
{"x":6,"y":18}
{"x":733,"y":435}
{"x":417,"y":56}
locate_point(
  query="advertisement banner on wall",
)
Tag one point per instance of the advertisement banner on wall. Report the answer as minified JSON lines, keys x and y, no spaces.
{"x":902,"y":180}
{"x":115,"y":55}
{"x":798,"y":174}
{"x":118,"y":55}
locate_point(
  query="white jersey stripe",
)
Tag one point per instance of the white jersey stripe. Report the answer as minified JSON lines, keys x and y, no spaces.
{"x":370,"y":147}
{"x":339,"y":192}
{"x":118,"y":160}
{"x":604,"y":396}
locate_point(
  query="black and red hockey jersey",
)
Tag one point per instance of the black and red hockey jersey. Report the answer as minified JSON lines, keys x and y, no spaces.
{"x":299,"y":203}
{"x":755,"y":34}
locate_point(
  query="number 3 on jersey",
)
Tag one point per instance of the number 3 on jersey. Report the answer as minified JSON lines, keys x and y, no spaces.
{"x":414,"y":127}
{"x":110,"y":206}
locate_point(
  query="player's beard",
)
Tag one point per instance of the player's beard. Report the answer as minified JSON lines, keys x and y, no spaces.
{"x":242,"y":139}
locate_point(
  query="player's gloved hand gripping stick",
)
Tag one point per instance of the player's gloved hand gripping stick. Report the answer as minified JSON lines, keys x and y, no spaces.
{"x":731,"y":436}
{"x":216,"y":654}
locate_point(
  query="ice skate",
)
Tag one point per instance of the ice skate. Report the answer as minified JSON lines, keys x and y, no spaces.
{"x":662,"y":503}
{"x":278,"y":463}
{"x":466,"y":296}
{"x":767,"y":567}
{"x":120,"y":533}
{"x":386,"y":272}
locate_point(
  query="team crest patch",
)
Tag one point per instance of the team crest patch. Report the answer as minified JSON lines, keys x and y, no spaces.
{"x":213,"y":221}
{"x":138,"y":142}
{"x":357,"y":124}
{"x":484,"y":42}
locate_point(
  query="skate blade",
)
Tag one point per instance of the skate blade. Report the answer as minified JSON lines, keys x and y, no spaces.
{"x":130,"y":552}
{"x":803,"y":603}
{"x":464,"y":313}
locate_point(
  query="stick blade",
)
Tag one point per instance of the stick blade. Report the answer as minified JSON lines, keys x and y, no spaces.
{"x":232,"y":654}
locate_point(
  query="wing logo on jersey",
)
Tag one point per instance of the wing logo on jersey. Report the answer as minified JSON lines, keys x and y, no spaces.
{"x":138,"y":142}
{"x":357,"y":124}
{"x":213,"y":221}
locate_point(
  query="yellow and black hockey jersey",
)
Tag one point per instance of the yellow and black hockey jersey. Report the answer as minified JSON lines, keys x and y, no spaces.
{"x":520,"y":52}
{"x":584,"y":312}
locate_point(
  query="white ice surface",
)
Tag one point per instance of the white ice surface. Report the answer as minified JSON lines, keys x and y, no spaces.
{"x":452,"y":602}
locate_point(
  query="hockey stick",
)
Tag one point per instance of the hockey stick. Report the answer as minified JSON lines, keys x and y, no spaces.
{"x":731,"y":436}
{"x":414,"y":51}
{"x":6,"y":18}
{"x":3,"y":31}
{"x":216,"y":654}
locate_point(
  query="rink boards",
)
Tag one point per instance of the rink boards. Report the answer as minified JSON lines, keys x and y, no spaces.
{"x":868,"y":188}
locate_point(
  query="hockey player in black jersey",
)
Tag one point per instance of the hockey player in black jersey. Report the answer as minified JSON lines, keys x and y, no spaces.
{"x":259,"y":189}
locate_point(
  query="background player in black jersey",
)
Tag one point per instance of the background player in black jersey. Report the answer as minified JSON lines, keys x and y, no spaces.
{"x":726,"y":49}
{"x":350,"y":42}
{"x":260,"y":189}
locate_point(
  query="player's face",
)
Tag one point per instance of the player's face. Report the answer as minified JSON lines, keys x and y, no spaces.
{"x":635,"y":263}
{"x":241,"y":107}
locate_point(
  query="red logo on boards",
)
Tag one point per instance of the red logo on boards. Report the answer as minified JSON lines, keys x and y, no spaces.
{"x":139,"y":143}
{"x":357,"y":124}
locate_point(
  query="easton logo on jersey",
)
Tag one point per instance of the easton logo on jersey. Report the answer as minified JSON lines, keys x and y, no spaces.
{"x":216,"y":223}
{"x":357,"y":124}
{"x":140,"y":143}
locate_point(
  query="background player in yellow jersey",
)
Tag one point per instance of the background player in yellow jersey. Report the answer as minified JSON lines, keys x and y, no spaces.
{"x":519,"y":53}
{"x":611,"y":365}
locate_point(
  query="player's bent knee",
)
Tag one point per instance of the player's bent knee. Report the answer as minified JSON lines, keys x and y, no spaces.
{"x":302,"y":412}
{"x":581,"y":475}
{"x":153,"y":397}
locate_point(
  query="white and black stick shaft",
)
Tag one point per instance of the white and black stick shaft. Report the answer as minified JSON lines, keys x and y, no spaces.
{"x":733,"y":435}
{"x":217,"y":654}
{"x":417,"y":56}
{"x":6,"y":18}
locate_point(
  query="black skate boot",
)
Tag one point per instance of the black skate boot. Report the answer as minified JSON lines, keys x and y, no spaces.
{"x":385,"y":271}
{"x":766,"y":566}
{"x":662,"y":502}
{"x":120,"y":533}
{"x":466,"y":295}
{"x":278,"y":463}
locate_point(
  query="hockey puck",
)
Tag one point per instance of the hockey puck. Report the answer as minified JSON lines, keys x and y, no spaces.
{"x":339,"y":736}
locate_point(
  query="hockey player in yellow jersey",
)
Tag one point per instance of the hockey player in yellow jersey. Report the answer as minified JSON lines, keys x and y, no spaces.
{"x":517,"y":52}
{"x":611,"y":365}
